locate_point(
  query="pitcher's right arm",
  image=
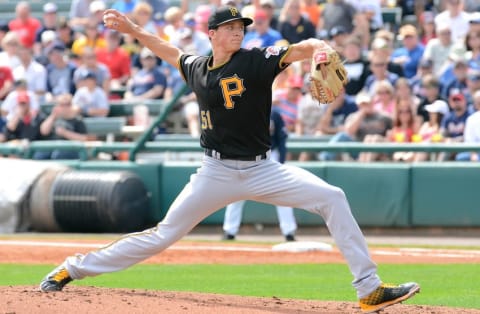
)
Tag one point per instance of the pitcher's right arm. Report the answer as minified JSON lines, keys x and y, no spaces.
{"x":163,"y":49}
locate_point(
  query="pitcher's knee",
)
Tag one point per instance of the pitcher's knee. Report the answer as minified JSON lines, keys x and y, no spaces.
{"x":337,"y":194}
{"x":337,"y":201}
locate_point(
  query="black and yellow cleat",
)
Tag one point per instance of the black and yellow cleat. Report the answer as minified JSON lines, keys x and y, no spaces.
{"x":386,"y":295}
{"x":56,"y":280}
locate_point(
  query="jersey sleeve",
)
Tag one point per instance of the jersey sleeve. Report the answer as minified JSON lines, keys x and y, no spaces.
{"x":187,"y":65}
{"x":274,"y":56}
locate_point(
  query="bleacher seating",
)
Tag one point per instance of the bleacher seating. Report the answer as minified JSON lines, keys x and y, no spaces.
{"x":37,"y":146}
{"x":92,"y":149}
{"x":123,"y":108}
{"x":392,"y":18}
{"x":292,"y":138}
{"x":102,"y":126}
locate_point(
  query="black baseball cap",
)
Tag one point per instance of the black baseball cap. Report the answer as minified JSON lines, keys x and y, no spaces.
{"x":224,"y":15}
{"x":337,"y":30}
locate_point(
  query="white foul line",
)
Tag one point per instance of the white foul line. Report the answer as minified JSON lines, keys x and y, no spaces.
{"x":414,"y":252}
{"x":97,"y":245}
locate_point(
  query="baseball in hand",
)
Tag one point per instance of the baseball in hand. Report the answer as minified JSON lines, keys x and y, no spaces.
{"x":108,"y":19}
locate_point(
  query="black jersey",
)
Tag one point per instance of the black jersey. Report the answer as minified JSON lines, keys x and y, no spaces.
{"x":235,"y":99}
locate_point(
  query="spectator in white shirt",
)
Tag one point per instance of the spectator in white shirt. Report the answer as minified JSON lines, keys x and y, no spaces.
{"x":80,"y":13}
{"x":90,"y":100}
{"x":438,"y":49}
{"x":90,"y":63}
{"x":454,"y":16}
{"x":471,"y":133}
{"x":200,"y":41}
{"x":33,"y":72}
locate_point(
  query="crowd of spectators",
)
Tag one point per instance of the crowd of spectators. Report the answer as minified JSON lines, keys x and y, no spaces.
{"x":417,"y":81}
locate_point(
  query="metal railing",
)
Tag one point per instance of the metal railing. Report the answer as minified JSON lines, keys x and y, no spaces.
{"x":90,"y":150}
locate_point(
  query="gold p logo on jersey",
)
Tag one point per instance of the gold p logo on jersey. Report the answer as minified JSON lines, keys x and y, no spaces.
{"x":231,"y":86}
{"x":233,"y":11}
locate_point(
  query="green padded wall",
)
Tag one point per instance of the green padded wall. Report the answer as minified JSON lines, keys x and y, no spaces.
{"x":378,"y":193}
{"x":175,"y":175}
{"x":446,"y":194}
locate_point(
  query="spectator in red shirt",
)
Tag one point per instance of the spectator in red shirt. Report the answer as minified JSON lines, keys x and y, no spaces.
{"x":24,"y":24}
{"x":6,"y":81}
{"x":115,"y":58}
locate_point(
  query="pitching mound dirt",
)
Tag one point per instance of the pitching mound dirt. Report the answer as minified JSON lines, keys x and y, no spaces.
{"x":80,"y":300}
{"x":28,"y":299}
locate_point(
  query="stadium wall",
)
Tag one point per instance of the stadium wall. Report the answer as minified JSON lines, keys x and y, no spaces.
{"x":380,"y":194}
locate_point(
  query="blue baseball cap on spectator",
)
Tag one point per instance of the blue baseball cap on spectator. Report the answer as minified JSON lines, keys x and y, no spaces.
{"x":189,"y":19}
{"x":55,"y":46}
{"x":88,"y":75}
{"x":158,"y":19}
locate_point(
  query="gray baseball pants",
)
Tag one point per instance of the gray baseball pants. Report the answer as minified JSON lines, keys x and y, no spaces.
{"x":220,"y":182}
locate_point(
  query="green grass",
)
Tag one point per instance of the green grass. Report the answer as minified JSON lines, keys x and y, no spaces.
{"x":454,"y":285}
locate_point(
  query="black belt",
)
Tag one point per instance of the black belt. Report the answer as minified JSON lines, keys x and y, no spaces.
{"x":214,"y":154}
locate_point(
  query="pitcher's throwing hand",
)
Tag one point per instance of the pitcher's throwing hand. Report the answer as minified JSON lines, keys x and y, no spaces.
{"x":117,"y":21}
